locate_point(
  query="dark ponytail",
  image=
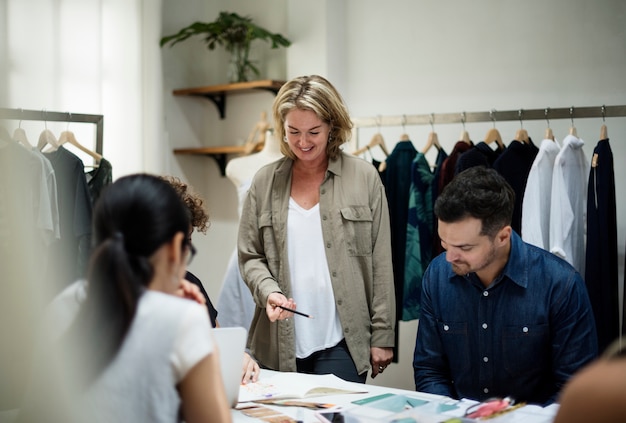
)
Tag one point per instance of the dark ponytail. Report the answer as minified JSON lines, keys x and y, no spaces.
{"x":133,"y":218}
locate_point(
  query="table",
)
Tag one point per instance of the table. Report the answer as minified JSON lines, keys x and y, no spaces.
{"x":526,"y":414}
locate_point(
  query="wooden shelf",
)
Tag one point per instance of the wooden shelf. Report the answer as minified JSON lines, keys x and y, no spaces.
{"x":218,"y":153}
{"x":217,"y":93}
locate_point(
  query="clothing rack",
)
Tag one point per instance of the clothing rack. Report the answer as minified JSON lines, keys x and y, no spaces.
{"x":493,"y":116}
{"x":46,"y":116}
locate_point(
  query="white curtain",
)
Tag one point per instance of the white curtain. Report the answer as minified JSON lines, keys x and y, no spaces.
{"x":89,"y":56}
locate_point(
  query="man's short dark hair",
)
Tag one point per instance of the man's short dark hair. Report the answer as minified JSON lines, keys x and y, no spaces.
{"x":477,"y":192}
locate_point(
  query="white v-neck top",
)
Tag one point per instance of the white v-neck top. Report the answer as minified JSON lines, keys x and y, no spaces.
{"x":311,"y":284}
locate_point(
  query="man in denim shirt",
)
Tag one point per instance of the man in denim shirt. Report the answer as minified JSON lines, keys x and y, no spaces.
{"x":499,"y":317}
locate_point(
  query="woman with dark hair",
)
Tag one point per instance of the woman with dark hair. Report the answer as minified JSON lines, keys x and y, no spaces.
{"x":131,"y":350}
{"x":200,"y":222}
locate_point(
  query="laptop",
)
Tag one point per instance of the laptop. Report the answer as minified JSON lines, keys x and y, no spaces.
{"x":231,"y":343}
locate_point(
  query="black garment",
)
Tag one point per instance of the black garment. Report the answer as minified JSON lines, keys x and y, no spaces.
{"x":212,"y":311}
{"x":479,"y":155}
{"x":397,"y":187}
{"x":397,"y":183}
{"x":99,"y":178}
{"x":442,"y":159}
{"x":70,"y":255}
{"x":446,"y":174}
{"x":442,"y":156}
{"x":514,"y":165}
{"x":383,"y":173}
{"x":601,"y":270}
{"x":448,"y":167}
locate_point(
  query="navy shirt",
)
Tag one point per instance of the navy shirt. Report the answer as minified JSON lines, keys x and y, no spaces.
{"x":523,"y":336}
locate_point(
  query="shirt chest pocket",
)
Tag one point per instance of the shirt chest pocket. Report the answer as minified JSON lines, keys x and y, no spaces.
{"x":267,"y":237}
{"x":357,"y":228}
{"x":525,"y":348}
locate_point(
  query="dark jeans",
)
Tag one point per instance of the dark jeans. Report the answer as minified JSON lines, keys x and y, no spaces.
{"x":335,"y":360}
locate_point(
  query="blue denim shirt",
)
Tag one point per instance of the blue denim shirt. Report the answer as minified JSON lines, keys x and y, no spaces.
{"x":523,"y":336}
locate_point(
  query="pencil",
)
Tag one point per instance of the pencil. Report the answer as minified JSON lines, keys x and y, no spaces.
{"x":294,"y":311}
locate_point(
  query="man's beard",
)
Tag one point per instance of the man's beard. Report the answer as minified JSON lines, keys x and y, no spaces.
{"x":463,"y":268}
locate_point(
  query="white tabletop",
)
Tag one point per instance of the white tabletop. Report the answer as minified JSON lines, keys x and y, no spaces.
{"x":527,"y":414}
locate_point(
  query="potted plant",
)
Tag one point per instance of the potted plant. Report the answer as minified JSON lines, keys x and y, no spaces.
{"x":235,"y":33}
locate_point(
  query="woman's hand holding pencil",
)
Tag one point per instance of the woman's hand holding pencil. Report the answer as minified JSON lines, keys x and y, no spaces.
{"x":299,"y":313}
{"x":280,"y":308}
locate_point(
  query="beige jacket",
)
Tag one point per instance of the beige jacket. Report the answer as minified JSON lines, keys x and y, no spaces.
{"x":356,"y":231}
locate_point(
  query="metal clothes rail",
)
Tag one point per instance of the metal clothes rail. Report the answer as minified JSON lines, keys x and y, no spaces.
{"x":46,"y":116}
{"x":493,"y":116}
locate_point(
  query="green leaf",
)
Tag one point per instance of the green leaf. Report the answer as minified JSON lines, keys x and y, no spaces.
{"x":228,"y":30}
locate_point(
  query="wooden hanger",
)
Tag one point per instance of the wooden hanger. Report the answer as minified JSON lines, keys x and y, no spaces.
{"x":377,"y":140}
{"x":603,"y":131}
{"x":47,"y":138}
{"x":549,"y":135}
{"x":494,"y":135}
{"x":464,"y":134}
{"x":572,"y":129}
{"x":20,"y":135}
{"x":522,"y":135}
{"x":404,"y":136}
{"x":465,"y":137}
{"x":433,"y":141}
{"x":69,"y":137}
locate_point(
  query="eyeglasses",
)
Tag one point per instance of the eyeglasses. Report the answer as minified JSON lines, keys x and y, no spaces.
{"x":192,"y":252}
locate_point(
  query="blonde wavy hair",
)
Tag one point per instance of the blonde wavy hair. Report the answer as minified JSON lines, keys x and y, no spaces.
{"x":313,"y":93}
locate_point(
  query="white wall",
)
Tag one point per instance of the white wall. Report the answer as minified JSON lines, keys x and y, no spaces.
{"x":407,"y":57}
{"x":195,"y":122}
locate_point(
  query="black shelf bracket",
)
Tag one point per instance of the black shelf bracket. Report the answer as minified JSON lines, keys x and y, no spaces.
{"x":273,"y":90}
{"x":221,"y":162}
{"x":219,"y":100}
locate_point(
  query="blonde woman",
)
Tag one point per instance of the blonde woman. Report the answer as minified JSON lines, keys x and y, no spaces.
{"x":314,"y":236}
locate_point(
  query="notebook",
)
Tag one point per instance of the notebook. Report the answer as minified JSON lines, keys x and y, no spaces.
{"x":289,"y":385}
{"x":231,"y":343}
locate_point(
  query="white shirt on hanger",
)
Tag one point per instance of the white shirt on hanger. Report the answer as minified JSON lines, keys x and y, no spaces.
{"x":537,"y":196}
{"x":568,"y":207}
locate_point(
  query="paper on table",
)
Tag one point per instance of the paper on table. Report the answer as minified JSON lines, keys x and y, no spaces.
{"x":283,"y":385}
